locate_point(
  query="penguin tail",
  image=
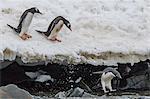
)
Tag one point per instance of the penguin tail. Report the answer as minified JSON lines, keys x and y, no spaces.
{"x":45,"y":33}
{"x":39,"y":31}
{"x":16,"y":30}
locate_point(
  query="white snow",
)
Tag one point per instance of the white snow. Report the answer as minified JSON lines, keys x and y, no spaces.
{"x":104,"y":31}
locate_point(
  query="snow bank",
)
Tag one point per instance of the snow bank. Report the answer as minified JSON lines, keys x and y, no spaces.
{"x":104,"y":31}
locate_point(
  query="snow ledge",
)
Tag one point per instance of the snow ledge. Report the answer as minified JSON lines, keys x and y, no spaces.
{"x":105,"y":32}
{"x":103,"y":58}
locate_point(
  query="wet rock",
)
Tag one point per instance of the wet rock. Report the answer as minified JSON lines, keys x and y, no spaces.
{"x":139,"y":68}
{"x":26,"y":76}
{"x":124,"y":69}
{"x":4,"y":64}
{"x":76,"y":92}
{"x":61,"y":95}
{"x":13,"y":92}
{"x":138,"y":82}
{"x":12,"y":74}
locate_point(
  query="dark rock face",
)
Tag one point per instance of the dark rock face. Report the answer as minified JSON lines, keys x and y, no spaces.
{"x":12,"y":74}
{"x":139,"y":68}
{"x":65,"y":76}
{"x":138,"y":82}
{"x":124,"y":69}
{"x":13,"y":92}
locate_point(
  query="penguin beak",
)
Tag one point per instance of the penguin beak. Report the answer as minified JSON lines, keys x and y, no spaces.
{"x":39,"y":12}
{"x":70,"y":29}
{"x":120,"y":77}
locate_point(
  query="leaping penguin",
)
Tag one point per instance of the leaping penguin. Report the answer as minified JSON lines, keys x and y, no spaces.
{"x":54,"y":27}
{"x":24,"y":23}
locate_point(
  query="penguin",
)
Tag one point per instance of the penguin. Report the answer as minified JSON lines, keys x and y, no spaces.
{"x":107,"y":76}
{"x":54,"y":27}
{"x":24,"y":23}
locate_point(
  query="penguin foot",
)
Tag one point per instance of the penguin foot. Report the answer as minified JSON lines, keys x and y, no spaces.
{"x":23,"y":37}
{"x":55,"y":39}
{"x":52,"y":39}
{"x":113,"y":90}
{"x":106,"y":92}
{"x":27,"y":35}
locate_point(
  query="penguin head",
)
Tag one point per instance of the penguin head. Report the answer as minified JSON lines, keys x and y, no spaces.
{"x":67,"y":23}
{"x":34,"y":10}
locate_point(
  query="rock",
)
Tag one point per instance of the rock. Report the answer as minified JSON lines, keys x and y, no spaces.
{"x":4,"y":64}
{"x":76,"y":92}
{"x":60,"y":95}
{"x":12,"y":74}
{"x":44,"y":78}
{"x":138,"y":82}
{"x":11,"y":91}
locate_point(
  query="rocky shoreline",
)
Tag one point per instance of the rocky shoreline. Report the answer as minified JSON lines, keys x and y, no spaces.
{"x":137,"y":78}
{"x":12,"y":91}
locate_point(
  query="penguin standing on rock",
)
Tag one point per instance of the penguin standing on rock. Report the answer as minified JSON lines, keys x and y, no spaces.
{"x":24,"y":23}
{"x":54,"y":27}
{"x":106,"y":78}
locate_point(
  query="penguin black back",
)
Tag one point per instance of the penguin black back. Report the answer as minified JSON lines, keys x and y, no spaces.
{"x":23,"y":16}
{"x":31,"y":10}
{"x":51,"y":26}
{"x":18,"y":29}
{"x":54,"y":22}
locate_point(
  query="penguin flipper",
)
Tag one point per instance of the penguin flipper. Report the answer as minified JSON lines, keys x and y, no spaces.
{"x":46,"y":33}
{"x":16,"y":30}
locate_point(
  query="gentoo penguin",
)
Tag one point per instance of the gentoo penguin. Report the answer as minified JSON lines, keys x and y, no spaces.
{"x":107,"y":75}
{"x":24,"y":23}
{"x":54,"y":27}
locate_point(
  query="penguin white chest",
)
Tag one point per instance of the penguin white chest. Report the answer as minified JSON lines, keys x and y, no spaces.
{"x":107,"y":77}
{"x":26,"y":22}
{"x":56,"y":29}
{"x":106,"y":81}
